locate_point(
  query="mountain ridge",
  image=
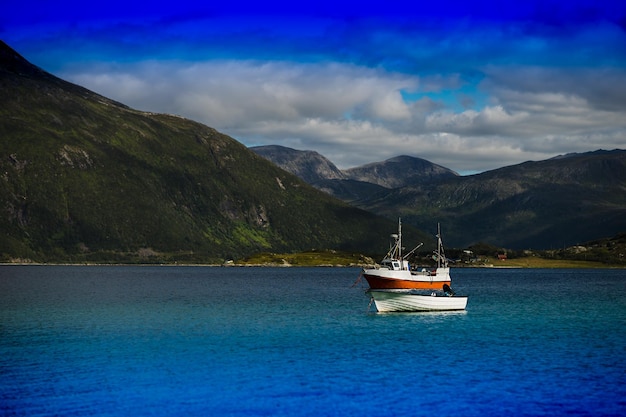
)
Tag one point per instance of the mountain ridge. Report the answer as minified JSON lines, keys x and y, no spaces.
{"x":560,"y":201}
{"x":399,"y":171}
{"x":87,"y":179}
{"x":542,"y":205}
{"x":355,"y":183}
{"x":308,"y":165}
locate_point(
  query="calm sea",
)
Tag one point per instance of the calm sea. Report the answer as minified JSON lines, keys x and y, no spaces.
{"x":200,"y":341}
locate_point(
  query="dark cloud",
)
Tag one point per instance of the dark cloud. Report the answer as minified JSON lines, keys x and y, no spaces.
{"x":603,"y":89}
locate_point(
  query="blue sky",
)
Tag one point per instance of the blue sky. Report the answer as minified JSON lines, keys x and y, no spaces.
{"x":472,"y":86}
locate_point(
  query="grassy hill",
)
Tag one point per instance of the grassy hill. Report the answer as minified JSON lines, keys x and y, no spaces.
{"x":84,"y":178}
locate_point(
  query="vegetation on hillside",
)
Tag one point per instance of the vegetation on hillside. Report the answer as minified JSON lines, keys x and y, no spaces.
{"x":86,"y":179}
{"x":542,"y":205}
{"x":547,"y":204}
{"x":597,"y":253}
{"x":307,"y":258}
{"x":602,"y":253}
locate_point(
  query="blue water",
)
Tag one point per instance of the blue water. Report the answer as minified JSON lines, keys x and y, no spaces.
{"x":196,"y":341}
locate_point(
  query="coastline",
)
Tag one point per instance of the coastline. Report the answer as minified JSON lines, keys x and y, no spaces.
{"x":542,"y":265}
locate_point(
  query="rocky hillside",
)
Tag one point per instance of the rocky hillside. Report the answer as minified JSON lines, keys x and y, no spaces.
{"x":547,"y":204}
{"x":401,"y":171}
{"x":308,"y":165}
{"x":355,"y":183}
{"x":84,"y":178}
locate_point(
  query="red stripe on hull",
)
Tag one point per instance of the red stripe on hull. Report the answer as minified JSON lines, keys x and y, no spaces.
{"x":378,"y":283}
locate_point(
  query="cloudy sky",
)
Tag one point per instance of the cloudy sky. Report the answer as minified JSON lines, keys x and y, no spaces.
{"x":472,"y":85}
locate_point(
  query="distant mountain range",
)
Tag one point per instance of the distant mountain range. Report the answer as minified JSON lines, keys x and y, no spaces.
{"x":563,"y":201}
{"x":355,"y":183}
{"x":84,"y":178}
{"x":314,"y":168}
{"x":308,"y":165}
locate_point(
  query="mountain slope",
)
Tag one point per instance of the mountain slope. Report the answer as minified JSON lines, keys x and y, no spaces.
{"x":349,"y":191}
{"x":400,"y":171}
{"x":543,"y":205}
{"x":548,"y":204}
{"x":308,"y":165}
{"x":355,"y":183}
{"x":87,"y":178}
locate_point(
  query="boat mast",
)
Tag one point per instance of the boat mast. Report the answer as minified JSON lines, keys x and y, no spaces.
{"x":400,"y":240}
{"x":395,"y":250}
{"x":441,"y":256}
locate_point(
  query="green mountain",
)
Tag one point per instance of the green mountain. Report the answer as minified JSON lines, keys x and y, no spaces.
{"x":84,"y":178}
{"x":548,"y":204}
{"x":356,"y":183}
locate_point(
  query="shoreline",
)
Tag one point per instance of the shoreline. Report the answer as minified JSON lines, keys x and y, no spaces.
{"x":547,"y":265}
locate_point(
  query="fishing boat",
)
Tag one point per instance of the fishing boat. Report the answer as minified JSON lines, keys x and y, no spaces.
{"x":414,"y":300}
{"x":395,"y":286}
{"x":395,"y":271}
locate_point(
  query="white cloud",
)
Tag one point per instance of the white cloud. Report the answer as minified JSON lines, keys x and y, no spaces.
{"x":355,"y":115}
{"x":258,"y":91}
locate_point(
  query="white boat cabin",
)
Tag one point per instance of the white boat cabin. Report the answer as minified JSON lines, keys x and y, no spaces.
{"x":395,"y":264}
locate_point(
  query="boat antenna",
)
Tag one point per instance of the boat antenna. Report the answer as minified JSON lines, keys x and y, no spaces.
{"x":395,"y":250}
{"x":441,"y":256}
{"x":399,"y":238}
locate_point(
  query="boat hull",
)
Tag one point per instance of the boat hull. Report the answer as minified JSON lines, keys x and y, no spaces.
{"x":386,"y":279}
{"x":406,"y":301}
{"x":383,"y":283}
